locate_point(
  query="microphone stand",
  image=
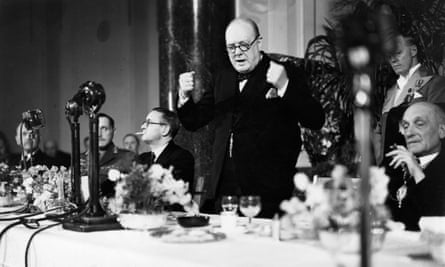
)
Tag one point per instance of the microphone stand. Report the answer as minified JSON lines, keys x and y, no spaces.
{"x":72,"y":116}
{"x":362,"y":84}
{"x":93,"y":218}
{"x":95,"y":211}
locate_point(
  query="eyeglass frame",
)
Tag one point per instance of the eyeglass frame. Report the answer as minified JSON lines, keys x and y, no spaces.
{"x":231,"y":48}
{"x":148,"y":122}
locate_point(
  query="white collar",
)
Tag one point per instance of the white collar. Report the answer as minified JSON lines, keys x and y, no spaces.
{"x":402,"y":81}
{"x":425,"y":160}
{"x":158,"y":150}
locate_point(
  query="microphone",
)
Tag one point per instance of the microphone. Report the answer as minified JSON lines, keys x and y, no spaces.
{"x":33,"y":119}
{"x":74,"y":106}
{"x":92,"y":95}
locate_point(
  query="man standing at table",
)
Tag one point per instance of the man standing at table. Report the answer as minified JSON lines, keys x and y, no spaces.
{"x":257,"y":107}
{"x":421,"y":190}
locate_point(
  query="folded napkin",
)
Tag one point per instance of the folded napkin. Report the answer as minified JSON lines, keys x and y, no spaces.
{"x":433,"y":224}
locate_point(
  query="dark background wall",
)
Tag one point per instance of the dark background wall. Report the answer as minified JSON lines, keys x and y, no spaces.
{"x":49,"y":47}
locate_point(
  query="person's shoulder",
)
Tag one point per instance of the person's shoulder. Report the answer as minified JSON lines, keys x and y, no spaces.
{"x":180,"y":150}
{"x":14,"y":159}
{"x":125,"y":152}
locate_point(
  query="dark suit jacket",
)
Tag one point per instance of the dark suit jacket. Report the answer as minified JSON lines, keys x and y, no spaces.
{"x":182,"y":161}
{"x":266,"y":132}
{"x":427,"y":198}
{"x":38,"y":158}
{"x":113,"y":158}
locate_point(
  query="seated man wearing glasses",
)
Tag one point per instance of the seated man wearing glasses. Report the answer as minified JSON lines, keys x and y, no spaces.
{"x":421,"y":190}
{"x":257,"y":106}
{"x":158,"y":131}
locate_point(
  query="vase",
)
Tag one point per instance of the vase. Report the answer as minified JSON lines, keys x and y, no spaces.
{"x":142,"y":221}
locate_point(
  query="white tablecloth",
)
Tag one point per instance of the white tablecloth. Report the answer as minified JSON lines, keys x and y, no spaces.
{"x":57,"y":247}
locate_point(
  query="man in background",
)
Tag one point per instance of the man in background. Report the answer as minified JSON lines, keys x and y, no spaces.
{"x":420,"y":191}
{"x":131,"y":142}
{"x":29,"y":140}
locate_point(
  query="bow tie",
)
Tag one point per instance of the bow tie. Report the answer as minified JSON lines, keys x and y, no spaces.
{"x":243,"y":76}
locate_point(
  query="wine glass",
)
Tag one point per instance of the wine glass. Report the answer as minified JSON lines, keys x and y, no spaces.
{"x":229,"y":204}
{"x":250,"y":206}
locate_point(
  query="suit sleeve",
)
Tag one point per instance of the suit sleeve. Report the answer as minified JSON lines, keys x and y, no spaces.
{"x":299,"y":101}
{"x":184,"y":167}
{"x":196,"y":115}
{"x":436,"y":91}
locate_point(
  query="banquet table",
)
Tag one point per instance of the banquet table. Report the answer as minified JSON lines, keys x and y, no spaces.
{"x":131,"y":248}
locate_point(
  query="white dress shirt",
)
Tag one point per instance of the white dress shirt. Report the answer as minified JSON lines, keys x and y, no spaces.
{"x":402,"y":81}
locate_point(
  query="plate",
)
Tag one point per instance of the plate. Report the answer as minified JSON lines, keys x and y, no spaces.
{"x":181,"y":235}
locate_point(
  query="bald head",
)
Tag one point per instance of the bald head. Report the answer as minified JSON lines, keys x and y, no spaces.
{"x":247,"y":22}
{"x":423,"y":126}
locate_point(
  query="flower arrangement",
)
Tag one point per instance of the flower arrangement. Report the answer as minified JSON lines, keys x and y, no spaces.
{"x":46,"y":185}
{"x":334,"y":205}
{"x":148,"y":191}
{"x":11,"y":190}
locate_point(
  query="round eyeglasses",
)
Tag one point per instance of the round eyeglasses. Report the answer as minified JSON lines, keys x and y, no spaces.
{"x":243,"y":46}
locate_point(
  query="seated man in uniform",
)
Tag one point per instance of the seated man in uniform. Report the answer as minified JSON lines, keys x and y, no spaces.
{"x":421,"y":189}
{"x":110,"y":156}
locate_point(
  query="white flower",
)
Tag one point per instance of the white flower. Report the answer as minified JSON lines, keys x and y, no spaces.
{"x":192,"y":208}
{"x":185,"y":199}
{"x":27,"y":183}
{"x":41,"y":200}
{"x":379,"y":182}
{"x":156,"y":171}
{"x":301,"y":181}
{"x":292,"y":206}
{"x":338,"y":173}
{"x":316,"y":195}
{"x":114,"y":175}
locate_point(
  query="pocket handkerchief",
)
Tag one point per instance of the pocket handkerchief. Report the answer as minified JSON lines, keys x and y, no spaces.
{"x":272,"y":93}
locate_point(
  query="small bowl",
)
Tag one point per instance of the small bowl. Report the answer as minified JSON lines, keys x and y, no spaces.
{"x":193,"y":221}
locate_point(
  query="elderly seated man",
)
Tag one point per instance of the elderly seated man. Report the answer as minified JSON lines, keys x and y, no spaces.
{"x":421,"y":189}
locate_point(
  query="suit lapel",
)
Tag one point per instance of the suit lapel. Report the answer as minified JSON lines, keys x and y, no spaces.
{"x":389,"y":99}
{"x":165,"y":154}
{"x":414,"y":84}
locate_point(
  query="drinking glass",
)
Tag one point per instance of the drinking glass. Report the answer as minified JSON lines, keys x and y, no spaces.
{"x":229,"y":204}
{"x":250,"y":206}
